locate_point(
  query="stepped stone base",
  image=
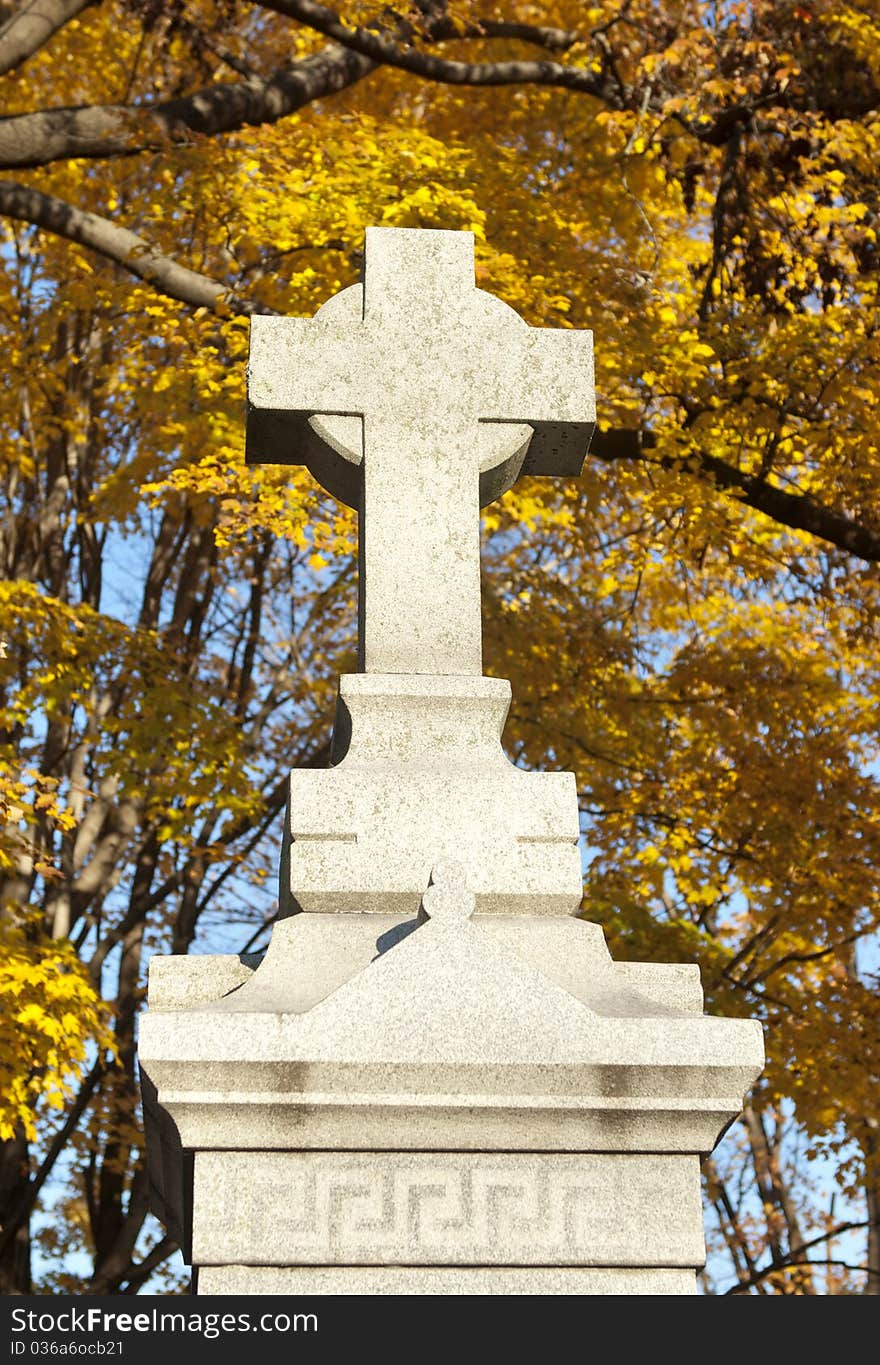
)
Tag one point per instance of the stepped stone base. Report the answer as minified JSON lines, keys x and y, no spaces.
{"x":436,"y":1082}
{"x":358,"y":836}
{"x":445,"y":1105}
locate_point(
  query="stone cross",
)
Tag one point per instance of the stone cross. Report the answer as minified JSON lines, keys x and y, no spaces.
{"x":414,"y":399}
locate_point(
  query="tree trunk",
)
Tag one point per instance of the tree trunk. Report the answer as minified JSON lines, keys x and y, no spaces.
{"x":15,"y":1242}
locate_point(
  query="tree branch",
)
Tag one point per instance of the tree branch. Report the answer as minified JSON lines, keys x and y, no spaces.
{"x":795,"y":510}
{"x":600,"y":79}
{"x":31,"y":1189}
{"x":108,"y":130}
{"x":142,"y":1270}
{"x":553,"y":39}
{"x":136,"y":255}
{"x":385,"y":50}
{"x":437,"y":26}
{"x":731,"y":1231}
{"x":25,"y":31}
{"x":797,"y":1258}
{"x":127,"y":249}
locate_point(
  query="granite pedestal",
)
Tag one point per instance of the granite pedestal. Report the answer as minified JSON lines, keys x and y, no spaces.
{"x":437,"y":1081}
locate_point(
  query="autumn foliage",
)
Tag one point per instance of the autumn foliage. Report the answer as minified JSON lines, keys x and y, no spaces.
{"x":691,"y":627}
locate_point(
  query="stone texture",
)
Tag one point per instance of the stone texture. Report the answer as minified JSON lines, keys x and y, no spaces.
{"x":415,"y":397}
{"x":447,"y":1208}
{"x":573,"y":953}
{"x":450,"y":1038}
{"x":419,"y":775}
{"x":437,"y":381}
{"x":175,"y":983}
{"x":297,"y":1281}
{"x":437,"y":1081}
{"x":331,"y":949}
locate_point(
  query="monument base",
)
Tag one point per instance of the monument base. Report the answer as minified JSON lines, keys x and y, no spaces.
{"x":440,"y":1105}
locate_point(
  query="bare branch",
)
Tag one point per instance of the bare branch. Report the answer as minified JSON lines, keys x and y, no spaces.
{"x":108,"y":130}
{"x":796,"y":510}
{"x":31,"y":1189}
{"x":731,"y":1229}
{"x":385,"y":50}
{"x":142,"y":1270}
{"x":798,"y":1258}
{"x":32,"y":25}
{"x":117,"y":244}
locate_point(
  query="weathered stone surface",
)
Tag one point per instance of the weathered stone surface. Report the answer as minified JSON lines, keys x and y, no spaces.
{"x":440,"y":379}
{"x":406,"y":1096}
{"x":407,"y":397}
{"x":447,"y":1208}
{"x":330,"y":949}
{"x":421,"y":776}
{"x":298,"y":1281}
{"x":450,"y":1038}
{"x":175,"y":983}
{"x":573,"y":954}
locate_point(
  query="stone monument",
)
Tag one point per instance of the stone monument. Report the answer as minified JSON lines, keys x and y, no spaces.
{"x":436,"y":1081}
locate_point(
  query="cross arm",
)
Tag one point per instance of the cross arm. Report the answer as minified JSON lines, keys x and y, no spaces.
{"x":305,"y":365}
{"x":546,"y":380}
